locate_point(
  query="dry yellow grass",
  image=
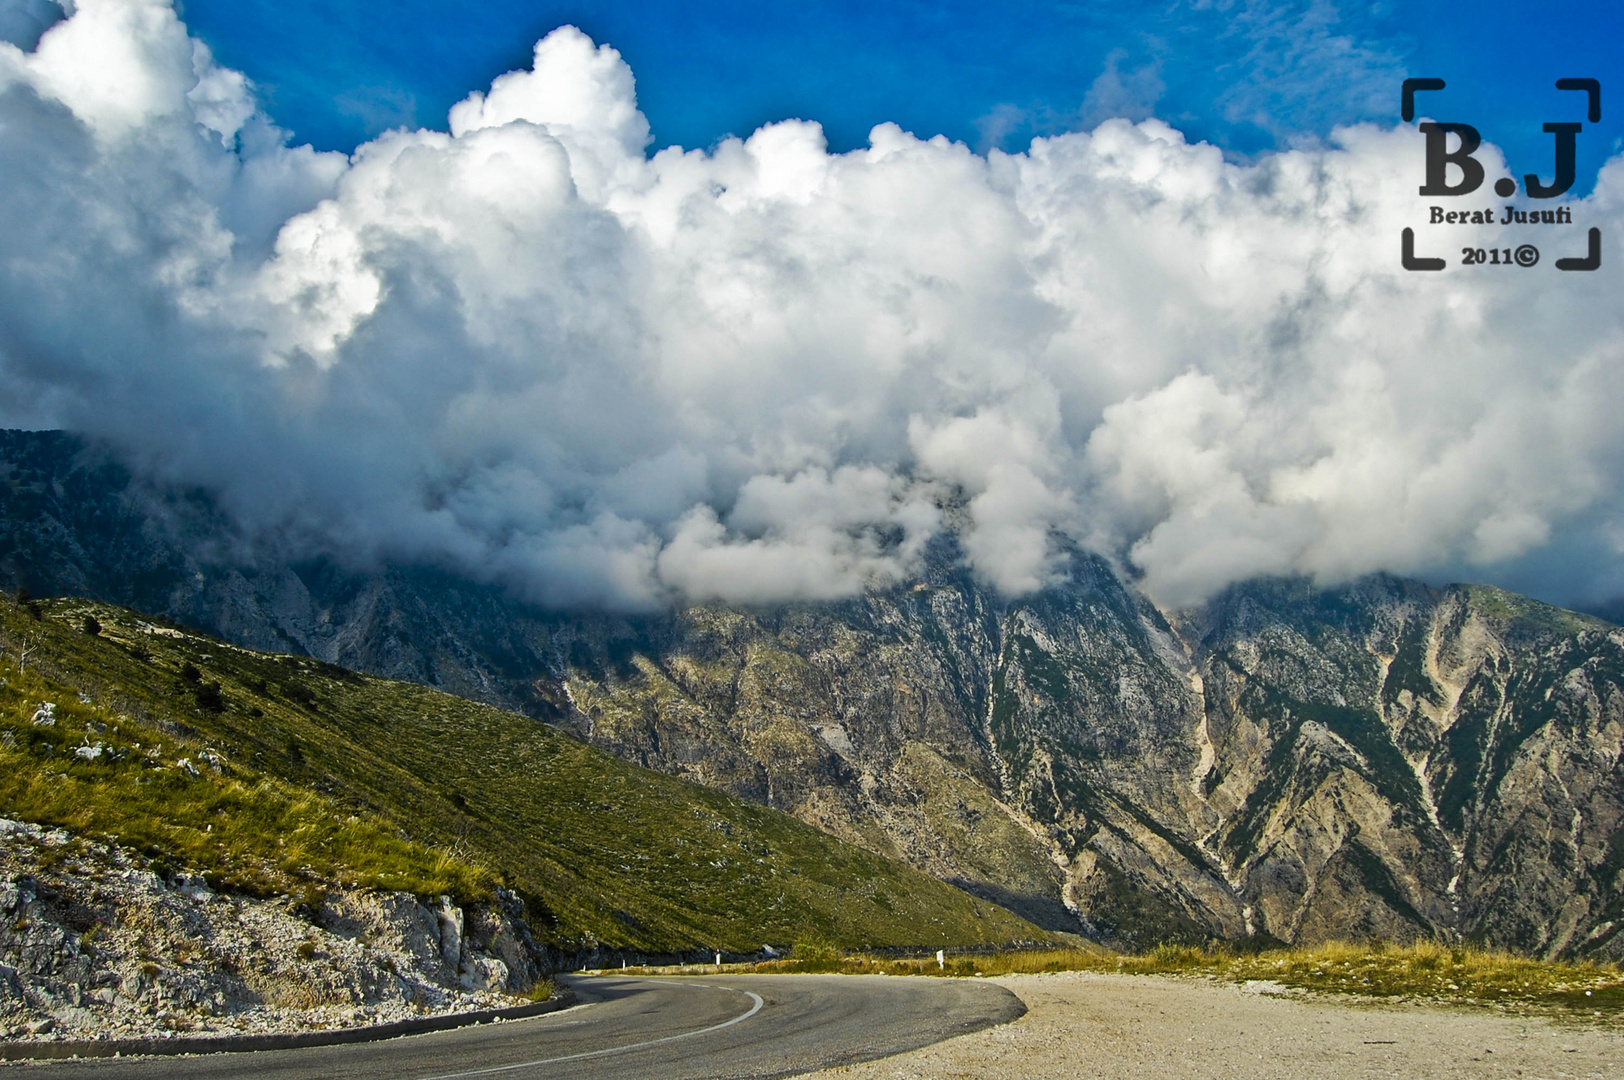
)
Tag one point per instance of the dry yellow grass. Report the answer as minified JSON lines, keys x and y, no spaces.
{"x":1427,"y":971}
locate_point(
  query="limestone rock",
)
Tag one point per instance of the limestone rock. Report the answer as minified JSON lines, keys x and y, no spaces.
{"x":96,"y":946}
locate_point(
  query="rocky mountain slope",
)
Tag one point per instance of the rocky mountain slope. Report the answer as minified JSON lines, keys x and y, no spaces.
{"x":1376,"y":760}
{"x":97,"y":945}
{"x":275,"y":775}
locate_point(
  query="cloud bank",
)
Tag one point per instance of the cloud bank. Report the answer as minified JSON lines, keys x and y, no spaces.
{"x":529,"y":350}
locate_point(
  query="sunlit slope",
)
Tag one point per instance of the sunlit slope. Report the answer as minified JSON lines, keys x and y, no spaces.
{"x":444,"y":793}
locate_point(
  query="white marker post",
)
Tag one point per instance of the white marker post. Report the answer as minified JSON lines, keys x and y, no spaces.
{"x":718,"y":961}
{"x":941,"y":959}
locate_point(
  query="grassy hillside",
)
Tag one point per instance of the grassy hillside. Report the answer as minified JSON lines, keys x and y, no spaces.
{"x":278,"y":773}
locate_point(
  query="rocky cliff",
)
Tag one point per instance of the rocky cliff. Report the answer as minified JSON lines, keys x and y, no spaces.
{"x":95,"y":944}
{"x":1376,"y":760}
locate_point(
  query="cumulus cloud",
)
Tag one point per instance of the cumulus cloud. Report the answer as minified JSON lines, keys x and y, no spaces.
{"x":526,"y":348}
{"x":814,"y":535}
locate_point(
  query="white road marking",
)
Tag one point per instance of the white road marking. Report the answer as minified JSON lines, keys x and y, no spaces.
{"x":754,"y":1008}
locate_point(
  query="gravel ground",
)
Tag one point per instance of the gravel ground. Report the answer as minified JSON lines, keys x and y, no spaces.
{"x":1126,"y":1027}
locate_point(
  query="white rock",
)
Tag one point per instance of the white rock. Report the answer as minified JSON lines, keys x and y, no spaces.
{"x":153,"y":970}
{"x":451,"y":926}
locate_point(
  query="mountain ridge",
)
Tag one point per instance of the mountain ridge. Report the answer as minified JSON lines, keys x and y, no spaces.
{"x":1285,"y":762}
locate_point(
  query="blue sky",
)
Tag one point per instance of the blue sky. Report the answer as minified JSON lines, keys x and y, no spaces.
{"x":1247,"y":76}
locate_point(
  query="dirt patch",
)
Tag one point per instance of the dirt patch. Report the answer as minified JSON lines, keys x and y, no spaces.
{"x":1129,"y":1027}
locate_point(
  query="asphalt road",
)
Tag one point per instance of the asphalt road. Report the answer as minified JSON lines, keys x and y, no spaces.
{"x":756,"y":1026}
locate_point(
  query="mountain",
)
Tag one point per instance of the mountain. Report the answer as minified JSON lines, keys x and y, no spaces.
{"x":281,"y":775}
{"x":1376,"y":760}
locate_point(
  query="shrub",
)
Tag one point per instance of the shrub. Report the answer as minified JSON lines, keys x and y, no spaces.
{"x":209,"y":698}
{"x":814,"y":955}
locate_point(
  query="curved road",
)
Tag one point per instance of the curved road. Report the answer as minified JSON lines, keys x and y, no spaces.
{"x":755,"y":1026}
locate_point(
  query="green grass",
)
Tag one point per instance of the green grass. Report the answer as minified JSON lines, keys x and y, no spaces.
{"x":1424,"y":971}
{"x":328,"y":775}
{"x":1532,"y":615}
{"x":241,"y":829}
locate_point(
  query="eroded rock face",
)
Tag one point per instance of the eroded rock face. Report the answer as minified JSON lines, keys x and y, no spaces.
{"x":93,"y":945}
{"x":1380,"y":760}
{"x":1408,"y":761}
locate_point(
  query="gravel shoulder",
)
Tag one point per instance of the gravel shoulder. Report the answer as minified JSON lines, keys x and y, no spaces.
{"x":1082,"y":1024}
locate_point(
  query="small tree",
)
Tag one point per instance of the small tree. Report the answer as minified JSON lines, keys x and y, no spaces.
{"x":26,"y":648}
{"x":92,"y":625}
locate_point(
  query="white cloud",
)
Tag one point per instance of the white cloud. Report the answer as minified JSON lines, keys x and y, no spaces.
{"x":812,"y":536}
{"x":526,"y":349}
{"x":114,"y":63}
{"x":583,"y":95}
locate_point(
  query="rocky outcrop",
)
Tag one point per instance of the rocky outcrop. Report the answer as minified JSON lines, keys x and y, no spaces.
{"x":1378,"y":760}
{"x":95,"y":945}
{"x":1396,"y":761}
